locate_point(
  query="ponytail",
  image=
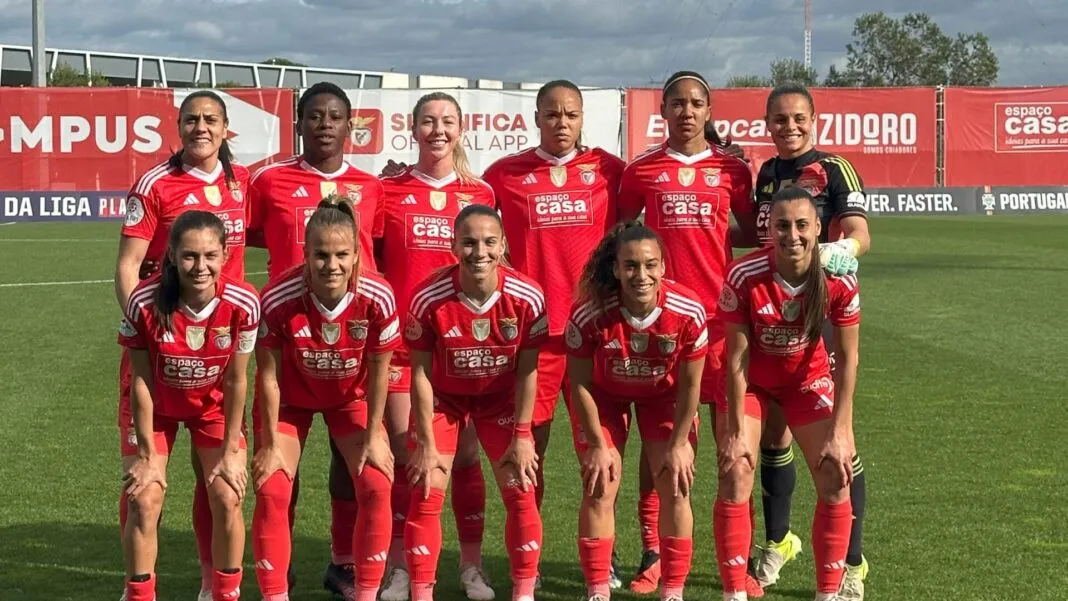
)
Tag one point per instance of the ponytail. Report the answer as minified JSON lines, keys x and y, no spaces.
{"x":226,"y":155}
{"x":599,"y":281}
{"x":169,"y":292}
{"x":712,"y":136}
{"x":336,"y":211}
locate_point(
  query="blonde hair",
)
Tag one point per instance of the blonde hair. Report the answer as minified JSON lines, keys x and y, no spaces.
{"x":460,"y":163}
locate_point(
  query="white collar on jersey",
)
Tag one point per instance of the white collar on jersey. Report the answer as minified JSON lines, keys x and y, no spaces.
{"x":199,"y":316}
{"x":338,"y":310}
{"x":641,"y":324}
{"x":200,"y":174}
{"x":687,"y":160}
{"x":341,"y":170}
{"x":432,"y":182}
{"x":554,"y":160}
{"x":476,"y":308}
{"x":787,"y":287}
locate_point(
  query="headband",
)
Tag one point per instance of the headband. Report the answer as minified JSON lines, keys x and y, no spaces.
{"x":696,"y":78}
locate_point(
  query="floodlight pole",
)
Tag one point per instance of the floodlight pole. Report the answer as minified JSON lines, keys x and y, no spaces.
{"x":40,"y":69}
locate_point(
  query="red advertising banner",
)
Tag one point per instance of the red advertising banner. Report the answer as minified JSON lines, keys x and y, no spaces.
{"x":888,"y":134}
{"x":83,"y":139}
{"x":1006,"y":136}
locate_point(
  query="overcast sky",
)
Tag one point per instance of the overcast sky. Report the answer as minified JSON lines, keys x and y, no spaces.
{"x":593,"y":42}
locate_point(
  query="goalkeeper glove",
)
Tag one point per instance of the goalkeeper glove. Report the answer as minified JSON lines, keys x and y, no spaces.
{"x":839,"y":258}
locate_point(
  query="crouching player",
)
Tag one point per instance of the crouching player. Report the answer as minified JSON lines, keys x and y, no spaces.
{"x":636,"y":338}
{"x":327,"y":336}
{"x":473,"y":331}
{"x":189,"y":331}
{"x":774,"y":304}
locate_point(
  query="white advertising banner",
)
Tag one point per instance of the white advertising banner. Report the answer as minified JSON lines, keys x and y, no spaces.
{"x":496,"y":122}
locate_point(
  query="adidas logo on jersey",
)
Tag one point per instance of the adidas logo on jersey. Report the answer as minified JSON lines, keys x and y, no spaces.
{"x":530,"y":179}
{"x":768,"y":309}
{"x":304,"y":332}
{"x":168,"y":337}
{"x":190,"y":200}
{"x":300,"y":193}
{"x":614,"y":345}
{"x":454,"y":332}
{"x":663,"y":178}
{"x":409,"y":200}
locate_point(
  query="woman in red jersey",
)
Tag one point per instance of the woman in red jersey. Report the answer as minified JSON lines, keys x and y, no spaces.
{"x":283,"y":196}
{"x":474,"y":330}
{"x":635,"y":337}
{"x":201,"y":176}
{"x":774,"y":303}
{"x":329,"y":328}
{"x":688,"y":189}
{"x":414,"y":235}
{"x":189,"y":331}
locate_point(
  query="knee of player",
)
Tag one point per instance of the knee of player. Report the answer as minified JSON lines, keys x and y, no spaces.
{"x":829,"y":484}
{"x":602,"y":502}
{"x":735,"y":484}
{"x":223,"y":498}
{"x":148,"y":504}
{"x":373,"y":486}
{"x":515,"y":498}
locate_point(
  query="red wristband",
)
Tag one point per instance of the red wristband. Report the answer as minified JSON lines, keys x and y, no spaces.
{"x":523,"y":430}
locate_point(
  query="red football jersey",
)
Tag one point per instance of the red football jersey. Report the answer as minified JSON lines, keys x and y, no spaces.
{"x":163,"y":193}
{"x":555,"y":211}
{"x":475,"y":348}
{"x":637,"y":359}
{"x":779,"y":352}
{"x":415,"y":224}
{"x":190,"y":359}
{"x":687,"y":200}
{"x":284,"y":195}
{"x":323,"y":350}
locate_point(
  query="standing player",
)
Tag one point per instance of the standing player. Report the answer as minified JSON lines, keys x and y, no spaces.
{"x":688,"y":188}
{"x":775,"y":303}
{"x":284,"y":195}
{"x":329,"y":330}
{"x":189,"y":331}
{"x":414,"y":233}
{"x":202,"y":175}
{"x":840,"y":200}
{"x":474,"y":330}
{"x":635,"y":337}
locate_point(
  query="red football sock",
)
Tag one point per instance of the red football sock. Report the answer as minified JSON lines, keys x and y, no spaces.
{"x":423,"y":592}
{"x":734,"y":534}
{"x":398,"y":501}
{"x":422,"y":537}
{"x":271,"y":545}
{"x":343,"y":516}
{"x":595,"y":558}
{"x":202,"y":527}
{"x":371,"y":536}
{"x":522,"y":532}
{"x":830,"y":541}
{"x":469,"y":507}
{"x":523,"y":588}
{"x":649,"y":519}
{"x":226,"y":587}
{"x":141,"y":591}
{"x":675,"y":558}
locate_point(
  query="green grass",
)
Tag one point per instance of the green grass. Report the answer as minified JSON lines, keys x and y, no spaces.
{"x":960,"y":414}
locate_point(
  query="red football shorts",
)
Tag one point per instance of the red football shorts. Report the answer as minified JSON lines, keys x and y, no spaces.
{"x":552,"y":378}
{"x":341,"y":421}
{"x":714,"y":377}
{"x":656,"y":421}
{"x":206,"y":432}
{"x":492,"y":414}
{"x":801,"y":405}
{"x":400,"y":373}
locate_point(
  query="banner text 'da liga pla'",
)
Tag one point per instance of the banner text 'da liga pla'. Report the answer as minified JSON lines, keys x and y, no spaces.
{"x":1006,"y":136}
{"x":496,"y":123}
{"x":85,"y":140}
{"x":887,"y":133}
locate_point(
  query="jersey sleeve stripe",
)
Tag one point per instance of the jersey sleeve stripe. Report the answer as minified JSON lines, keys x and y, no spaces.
{"x":595,"y":312}
{"x":379,"y":294}
{"x":290,"y":161}
{"x":677,"y":302}
{"x":581,"y":310}
{"x":278,"y":301}
{"x":850,"y":174}
{"x":424,"y":305}
{"x":139,"y":299}
{"x":746,"y":268}
{"x":250,"y":298}
{"x":283,"y":289}
{"x":149,"y":179}
{"x":698,"y":316}
{"x":520,"y":288}
{"x":250,"y":306}
{"x":850,"y":281}
{"x":429,"y":291}
{"x":534,"y":302}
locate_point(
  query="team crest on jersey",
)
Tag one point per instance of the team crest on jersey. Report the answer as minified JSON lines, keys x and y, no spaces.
{"x":639,"y":341}
{"x":194,"y":337}
{"x":394,"y":375}
{"x":687,"y":175}
{"x":412,"y":329}
{"x":358,"y":329}
{"x":791,"y":309}
{"x":331,"y":332}
{"x":235,"y":192}
{"x":464,"y":200}
{"x":711,"y":176}
{"x":586,"y":172}
{"x":728,"y":300}
{"x":480,"y":329}
{"x":213,"y":195}
{"x":438,"y":199}
{"x":558,"y":175}
{"x":353,"y":193}
{"x":222,"y":338}
{"x":327,"y":188}
{"x":667,"y":343}
{"x":509,"y":327}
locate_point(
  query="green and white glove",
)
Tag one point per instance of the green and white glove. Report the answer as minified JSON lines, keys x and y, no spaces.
{"x":840,"y":257}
